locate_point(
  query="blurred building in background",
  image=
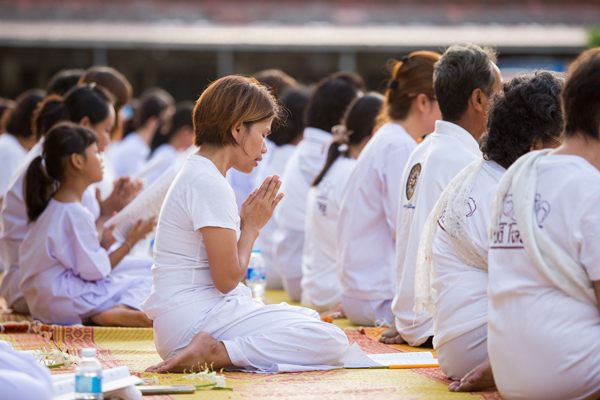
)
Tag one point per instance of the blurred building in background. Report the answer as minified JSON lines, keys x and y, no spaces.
{"x":181,"y":45}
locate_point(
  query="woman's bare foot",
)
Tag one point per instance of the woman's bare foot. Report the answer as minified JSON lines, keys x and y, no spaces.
{"x":479,"y":378}
{"x":391,"y":336}
{"x":121,"y":315}
{"x":202,"y":350}
{"x":336,"y":311}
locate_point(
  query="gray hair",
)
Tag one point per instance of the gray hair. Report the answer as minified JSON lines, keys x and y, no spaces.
{"x":461,"y":70}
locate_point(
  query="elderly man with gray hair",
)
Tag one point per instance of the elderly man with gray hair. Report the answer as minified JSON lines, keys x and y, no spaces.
{"x":464,"y":80}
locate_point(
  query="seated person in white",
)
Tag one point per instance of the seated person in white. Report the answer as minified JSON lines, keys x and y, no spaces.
{"x":451,"y":279}
{"x":131,"y":153}
{"x":285,"y":135}
{"x":168,"y":147}
{"x":67,"y":275}
{"x":22,"y":377}
{"x":464,"y":80}
{"x":366,"y":229}
{"x":19,"y":137}
{"x":201,"y":311}
{"x":544,"y":268}
{"x":91,"y":107}
{"x":321,"y":288}
{"x":326,"y":107}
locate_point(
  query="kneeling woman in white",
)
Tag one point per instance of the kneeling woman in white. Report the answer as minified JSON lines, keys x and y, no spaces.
{"x":524,"y":116}
{"x":67,"y":276}
{"x":201,"y":312}
{"x":321,"y":289}
{"x":544,"y":258}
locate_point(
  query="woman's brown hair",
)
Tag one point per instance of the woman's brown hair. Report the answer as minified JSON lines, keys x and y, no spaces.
{"x":228,"y":101}
{"x":411,"y":76}
{"x":113,"y":81}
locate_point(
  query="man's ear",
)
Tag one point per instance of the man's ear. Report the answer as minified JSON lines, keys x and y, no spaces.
{"x":85,"y":121}
{"x":477,"y":99}
{"x":237,"y":130}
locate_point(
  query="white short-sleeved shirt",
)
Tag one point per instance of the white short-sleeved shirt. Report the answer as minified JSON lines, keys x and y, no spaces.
{"x":15,"y":225}
{"x":366,"y":228}
{"x":432,"y":165}
{"x":199,"y":197}
{"x":11,"y":155}
{"x":542,"y":342}
{"x":305,"y":163}
{"x":320,"y":280}
{"x":128,"y":155}
{"x":460,"y":300}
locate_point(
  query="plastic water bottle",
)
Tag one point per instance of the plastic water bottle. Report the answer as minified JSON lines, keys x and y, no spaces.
{"x":256,"y":276}
{"x":88,"y":377}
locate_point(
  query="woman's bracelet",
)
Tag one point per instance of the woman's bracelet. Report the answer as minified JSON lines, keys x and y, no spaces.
{"x":128,"y":245}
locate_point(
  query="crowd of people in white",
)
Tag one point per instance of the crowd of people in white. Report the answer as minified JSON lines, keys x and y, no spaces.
{"x":458,"y":210}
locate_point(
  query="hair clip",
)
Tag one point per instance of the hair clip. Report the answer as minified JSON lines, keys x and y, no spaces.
{"x":343,"y":148}
{"x":393,"y":85}
{"x":405,"y":59}
{"x":92,"y":85}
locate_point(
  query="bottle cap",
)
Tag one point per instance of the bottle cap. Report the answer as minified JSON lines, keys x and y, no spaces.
{"x":88,"y":352}
{"x":256,"y":251}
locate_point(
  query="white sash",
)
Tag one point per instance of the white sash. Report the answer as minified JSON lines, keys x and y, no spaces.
{"x":554,"y":263}
{"x":454,"y":199}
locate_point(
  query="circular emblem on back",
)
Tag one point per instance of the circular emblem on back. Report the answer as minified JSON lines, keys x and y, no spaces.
{"x":413,"y":177}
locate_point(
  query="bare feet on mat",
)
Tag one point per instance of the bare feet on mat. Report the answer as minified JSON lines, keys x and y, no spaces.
{"x":480,"y":378}
{"x":202,"y":350}
{"x":391,"y":336}
{"x":121,"y":315}
{"x":336,"y":311}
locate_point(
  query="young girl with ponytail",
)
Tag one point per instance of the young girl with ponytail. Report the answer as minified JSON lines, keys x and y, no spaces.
{"x":89,"y":106}
{"x":320,"y":282}
{"x":67,"y":275}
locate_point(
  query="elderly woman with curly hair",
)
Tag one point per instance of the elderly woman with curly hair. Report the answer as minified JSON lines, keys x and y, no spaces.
{"x":452,"y":278}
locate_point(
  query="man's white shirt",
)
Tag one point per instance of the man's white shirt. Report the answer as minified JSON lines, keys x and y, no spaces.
{"x":430,"y":168}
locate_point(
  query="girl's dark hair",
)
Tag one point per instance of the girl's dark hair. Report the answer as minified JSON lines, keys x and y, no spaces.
{"x":359,"y":122}
{"x":183,"y":116}
{"x":329,"y":100}
{"x":581,"y":97}
{"x":117,"y":85}
{"x":525,"y":110}
{"x":81,"y":101}
{"x":63,"y":81}
{"x":293,"y":102}
{"x":17,"y":121}
{"x":46,"y":171}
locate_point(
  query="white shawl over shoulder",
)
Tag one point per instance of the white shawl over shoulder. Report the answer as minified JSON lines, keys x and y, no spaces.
{"x":554,"y":263}
{"x":454,"y":200}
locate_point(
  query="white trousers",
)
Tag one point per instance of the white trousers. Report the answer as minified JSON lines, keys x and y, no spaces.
{"x":258,"y":337}
{"x":459,"y":356}
{"x":368,"y":312}
{"x":287,"y":254}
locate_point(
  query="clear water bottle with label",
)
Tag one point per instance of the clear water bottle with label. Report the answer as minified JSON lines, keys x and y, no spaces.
{"x":256,"y":276}
{"x":88,"y":377}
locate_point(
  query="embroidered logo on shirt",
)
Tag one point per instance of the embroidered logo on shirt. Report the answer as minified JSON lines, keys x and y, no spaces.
{"x":413,"y":177}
